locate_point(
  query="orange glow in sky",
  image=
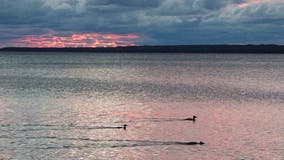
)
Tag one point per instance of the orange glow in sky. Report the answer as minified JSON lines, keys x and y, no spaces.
{"x":76,"y":40}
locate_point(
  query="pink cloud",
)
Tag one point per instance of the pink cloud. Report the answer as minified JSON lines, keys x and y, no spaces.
{"x":74,"y":40}
{"x":251,"y":2}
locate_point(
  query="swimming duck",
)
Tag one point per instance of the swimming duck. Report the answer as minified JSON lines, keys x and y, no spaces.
{"x":124,"y":126}
{"x":195,"y":143}
{"x":191,"y":119}
{"x":190,"y":143}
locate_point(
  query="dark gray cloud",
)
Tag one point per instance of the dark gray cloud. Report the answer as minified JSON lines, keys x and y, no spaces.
{"x":157,"y":21}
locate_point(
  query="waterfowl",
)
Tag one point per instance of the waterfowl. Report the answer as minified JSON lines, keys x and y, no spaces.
{"x":191,"y":119}
{"x":123,"y":127}
{"x":194,"y":143}
{"x":190,"y":143}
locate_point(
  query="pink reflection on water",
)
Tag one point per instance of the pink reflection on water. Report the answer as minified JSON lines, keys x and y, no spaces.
{"x":241,"y":130}
{"x":230,"y":131}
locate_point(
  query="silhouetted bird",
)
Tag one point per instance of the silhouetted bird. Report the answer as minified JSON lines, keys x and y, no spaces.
{"x":195,"y":143}
{"x":190,"y":119}
{"x":124,"y":126}
{"x":190,"y":143}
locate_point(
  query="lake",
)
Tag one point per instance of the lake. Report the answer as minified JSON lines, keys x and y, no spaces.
{"x":73,"y":105}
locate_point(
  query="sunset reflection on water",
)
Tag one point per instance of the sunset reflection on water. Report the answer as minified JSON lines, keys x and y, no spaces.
{"x":66,"y":107}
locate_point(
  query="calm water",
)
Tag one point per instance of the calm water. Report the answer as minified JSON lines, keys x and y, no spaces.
{"x":56,"y":106}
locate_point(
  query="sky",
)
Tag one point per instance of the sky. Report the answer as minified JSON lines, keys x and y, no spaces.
{"x":110,"y":23}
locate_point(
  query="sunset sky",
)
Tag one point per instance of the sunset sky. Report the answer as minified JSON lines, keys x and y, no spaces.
{"x":106,"y":23}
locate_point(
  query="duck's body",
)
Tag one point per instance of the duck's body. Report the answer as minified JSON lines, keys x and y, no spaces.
{"x":120,"y":127}
{"x":191,"y":119}
{"x":190,"y":143}
{"x":194,"y":143}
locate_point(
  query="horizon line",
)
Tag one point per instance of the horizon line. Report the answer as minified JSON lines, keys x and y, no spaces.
{"x":162,"y":45}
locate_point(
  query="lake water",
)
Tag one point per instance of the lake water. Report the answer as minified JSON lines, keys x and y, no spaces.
{"x":67,"y":106}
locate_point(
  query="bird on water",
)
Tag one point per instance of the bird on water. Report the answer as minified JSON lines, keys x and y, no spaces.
{"x":190,"y":143}
{"x":195,"y":143}
{"x":190,"y":119}
{"x":124,"y":126}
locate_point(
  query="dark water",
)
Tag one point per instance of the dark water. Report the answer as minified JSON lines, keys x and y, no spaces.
{"x":56,"y":106}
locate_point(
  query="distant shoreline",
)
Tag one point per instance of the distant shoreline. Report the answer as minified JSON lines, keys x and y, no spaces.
{"x":257,"y":49}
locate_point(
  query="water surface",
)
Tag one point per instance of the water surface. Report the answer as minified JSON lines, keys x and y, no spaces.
{"x":68,"y":106}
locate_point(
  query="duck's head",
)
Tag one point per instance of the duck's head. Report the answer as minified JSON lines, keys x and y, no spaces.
{"x":194,"y":117}
{"x":201,"y":143}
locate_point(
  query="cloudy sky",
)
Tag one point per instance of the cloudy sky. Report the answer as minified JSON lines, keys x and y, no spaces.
{"x":92,"y":23}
